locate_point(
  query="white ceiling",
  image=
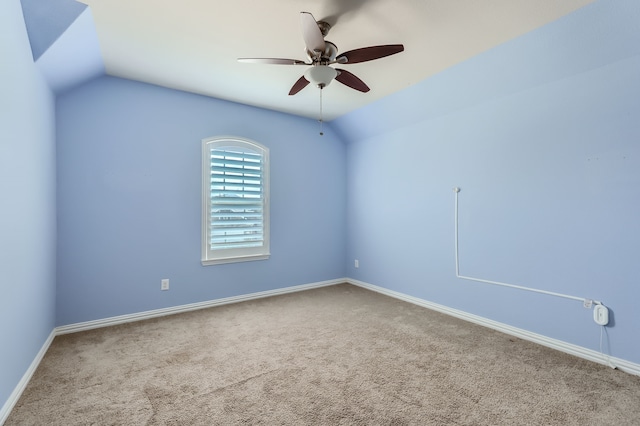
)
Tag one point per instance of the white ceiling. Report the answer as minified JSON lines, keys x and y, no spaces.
{"x":193,"y":45}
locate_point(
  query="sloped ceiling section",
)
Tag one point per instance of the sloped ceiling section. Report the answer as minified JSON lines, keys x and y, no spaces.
{"x":74,"y":58}
{"x":46,"y":20}
{"x":194,"y":45}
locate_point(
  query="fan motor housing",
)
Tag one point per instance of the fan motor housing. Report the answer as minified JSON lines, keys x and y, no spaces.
{"x":329,"y":54}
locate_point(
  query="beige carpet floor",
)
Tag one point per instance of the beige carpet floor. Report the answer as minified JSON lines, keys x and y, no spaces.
{"x":337,"y":355}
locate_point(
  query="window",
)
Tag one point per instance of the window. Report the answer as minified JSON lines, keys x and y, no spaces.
{"x":235,"y":201}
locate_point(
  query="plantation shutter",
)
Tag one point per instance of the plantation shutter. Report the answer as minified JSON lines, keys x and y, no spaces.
{"x":236,"y":214}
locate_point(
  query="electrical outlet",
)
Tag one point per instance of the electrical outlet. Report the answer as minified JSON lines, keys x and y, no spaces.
{"x":356,"y":263}
{"x":601,"y":315}
{"x":164,"y":284}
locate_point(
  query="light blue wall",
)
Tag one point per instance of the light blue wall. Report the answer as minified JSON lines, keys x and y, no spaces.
{"x":27,"y":194}
{"x":548,"y":159}
{"x":129,"y":200}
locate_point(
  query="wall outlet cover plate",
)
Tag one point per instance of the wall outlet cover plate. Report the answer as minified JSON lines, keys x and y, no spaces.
{"x":601,"y":314}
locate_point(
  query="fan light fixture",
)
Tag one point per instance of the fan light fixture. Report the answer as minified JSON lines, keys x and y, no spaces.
{"x":321,"y":54}
{"x":320,"y":75}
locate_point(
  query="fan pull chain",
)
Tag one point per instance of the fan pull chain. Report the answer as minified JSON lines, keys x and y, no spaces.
{"x":321,"y":132}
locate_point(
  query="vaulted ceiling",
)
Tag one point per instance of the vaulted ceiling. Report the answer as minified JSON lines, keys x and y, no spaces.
{"x":193,"y":45}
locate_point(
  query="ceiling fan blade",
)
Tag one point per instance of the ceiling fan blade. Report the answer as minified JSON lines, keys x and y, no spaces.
{"x":276,"y":61}
{"x":348,"y":79}
{"x":299,"y":85}
{"x":311,"y":33}
{"x":365,"y":54}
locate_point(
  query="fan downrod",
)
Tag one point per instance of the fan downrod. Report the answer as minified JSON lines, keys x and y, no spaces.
{"x":324,"y":27}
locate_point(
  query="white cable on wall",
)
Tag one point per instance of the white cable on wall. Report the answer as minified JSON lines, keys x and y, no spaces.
{"x":586,"y":302}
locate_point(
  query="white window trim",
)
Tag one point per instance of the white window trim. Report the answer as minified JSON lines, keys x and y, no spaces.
{"x":242,"y":254}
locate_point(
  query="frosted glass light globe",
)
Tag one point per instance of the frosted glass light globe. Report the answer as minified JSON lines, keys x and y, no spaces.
{"x":320,"y":75}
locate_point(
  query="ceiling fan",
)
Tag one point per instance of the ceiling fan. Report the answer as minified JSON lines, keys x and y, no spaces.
{"x":322,"y":53}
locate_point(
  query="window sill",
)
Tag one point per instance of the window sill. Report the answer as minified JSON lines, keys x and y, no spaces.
{"x":209,"y":262}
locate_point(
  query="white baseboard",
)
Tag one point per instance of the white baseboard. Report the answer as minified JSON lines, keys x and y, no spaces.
{"x":17,"y":392}
{"x":106,"y":322}
{"x":579,"y":351}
